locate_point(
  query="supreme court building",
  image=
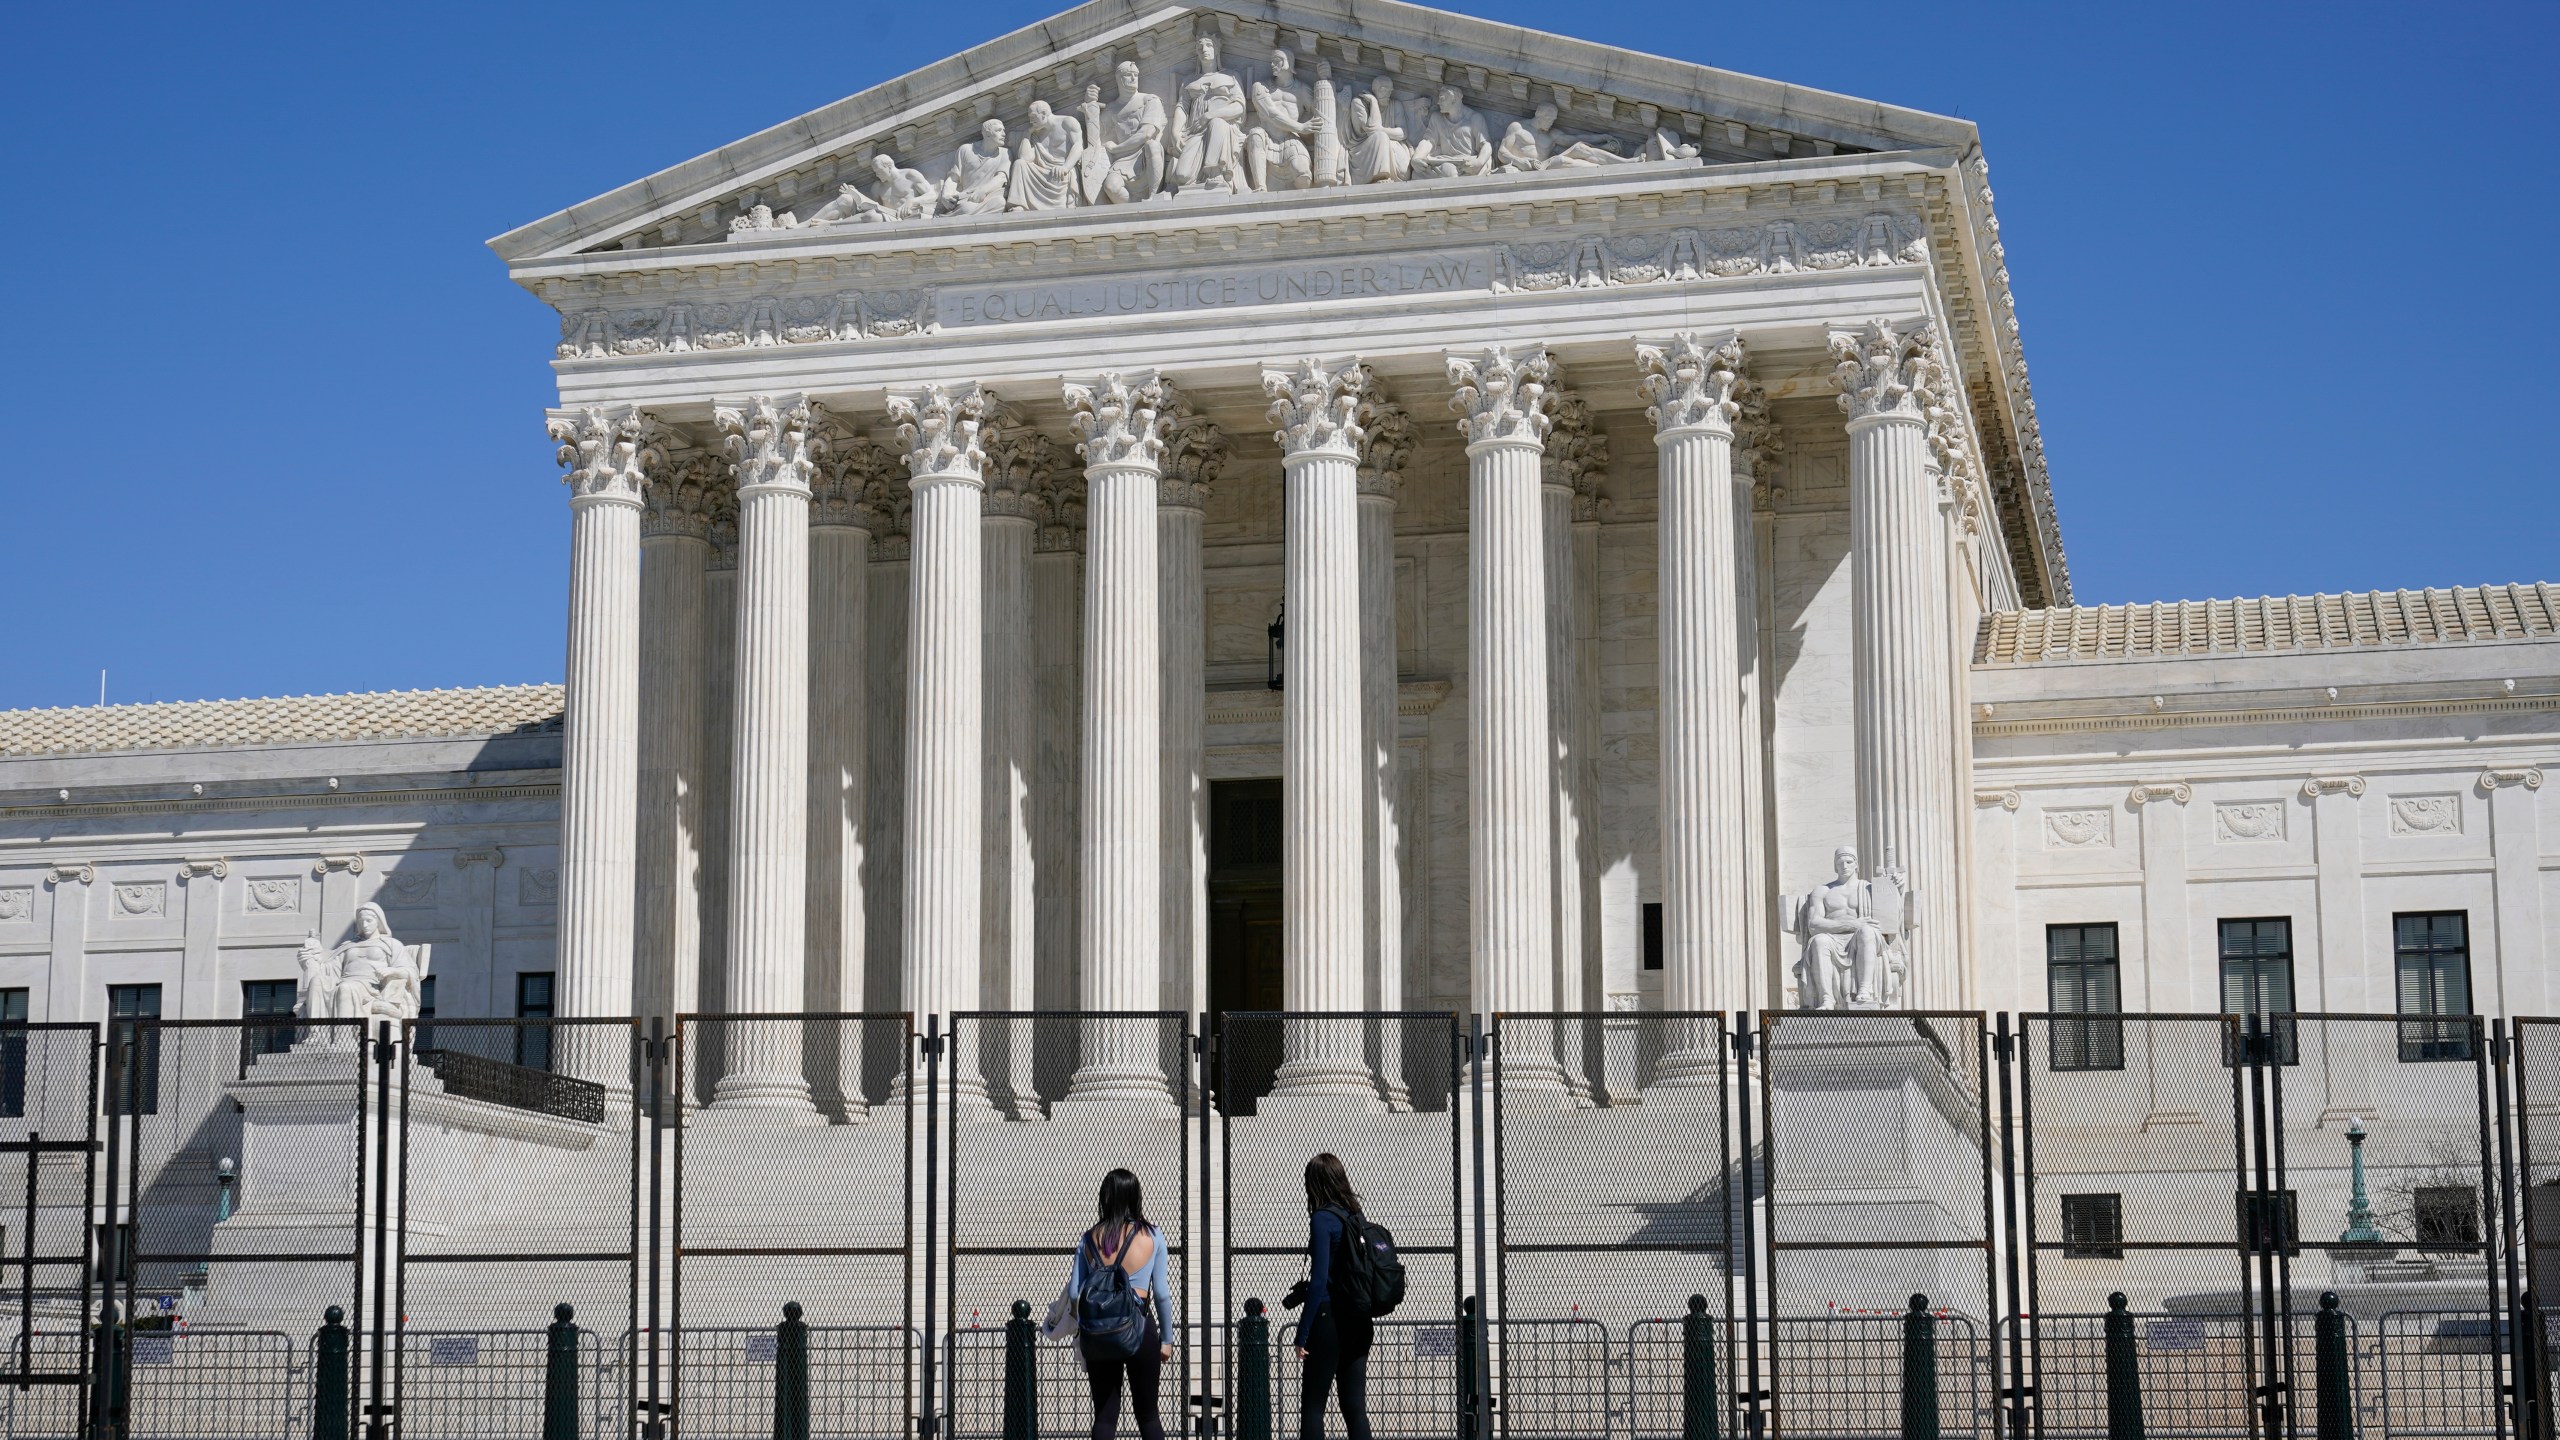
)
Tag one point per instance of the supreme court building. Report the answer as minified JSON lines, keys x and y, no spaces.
{"x":1262,"y":505}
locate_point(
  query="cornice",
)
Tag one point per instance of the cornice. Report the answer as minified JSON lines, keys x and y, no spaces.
{"x":286,"y":800}
{"x":2001,"y":724}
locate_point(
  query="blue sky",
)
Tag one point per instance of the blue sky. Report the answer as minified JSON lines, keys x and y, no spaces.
{"x":2286,"y":274}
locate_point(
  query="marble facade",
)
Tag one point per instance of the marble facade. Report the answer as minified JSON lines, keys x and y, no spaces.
{"x":1649,"y":488}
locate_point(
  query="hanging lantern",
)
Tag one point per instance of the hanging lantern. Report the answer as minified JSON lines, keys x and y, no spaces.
{"x":1277,"y":636}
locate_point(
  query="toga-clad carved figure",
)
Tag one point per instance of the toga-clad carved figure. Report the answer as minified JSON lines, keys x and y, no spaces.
{"x":1208,"y":130}
{"x":979,"y":174}
{"x":1381,"y":130}
{"x":1535,"y":144}
{"x":904,"y":195}
{"x":1850,"y":934}
{"x":1293,"y":143}
{"x":371,"y":977}
{"x":1044,"y":172}
{"x":1455,"y":139}
{"x":1124,"y":143}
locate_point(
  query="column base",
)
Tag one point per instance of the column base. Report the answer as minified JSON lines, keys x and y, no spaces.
{"x":761,"y":1098}
{"x":1135,"y":1089}
{"x":1533,"y":1081}
{"x":1692,"y":1069}
{"x":1323,"y":1078}
{"x":968,"y":1101}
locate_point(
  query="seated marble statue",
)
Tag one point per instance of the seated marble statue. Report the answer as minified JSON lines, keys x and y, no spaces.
{"x":1849,"y":934}
{"x":1207,"y":144}
{"x":980,"y":174}
{"x":1455,"y":140}
{"x":1124,"y":143}
{"x":904,"y":195}
{"x":1293,"y":144}
{"x":1045,"y":170}
{"x":316,"y":995}
{"x":1534,"y":144}
{"x":1380,"y":130}
{"x":371,"y":977}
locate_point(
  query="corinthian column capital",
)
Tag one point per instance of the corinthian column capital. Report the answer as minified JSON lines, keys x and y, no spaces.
{"x":938,"y":425}
{"x":772,"y":439}
{"x":681,"y":494}
{"x":607,"y":451}
{"x":1885,"y":371}
{"x":1119,"y":420}
{"x":1389,"y":443}
{"x":1690,"y":382}
{"x":853,"y":474}
{"x":1576,"y":454}
{"x":1195,"y":455}
{"x":1503,"y":396}
{"x":1320,"y":409}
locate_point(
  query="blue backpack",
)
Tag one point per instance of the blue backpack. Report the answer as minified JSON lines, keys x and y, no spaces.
{"x":1108,"y":1315}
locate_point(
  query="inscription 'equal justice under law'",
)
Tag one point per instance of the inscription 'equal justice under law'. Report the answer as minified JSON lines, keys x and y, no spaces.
{"x":1214,"y":290}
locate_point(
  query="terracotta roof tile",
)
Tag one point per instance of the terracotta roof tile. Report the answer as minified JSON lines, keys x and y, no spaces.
{"x":2269,"y":623}
{"x":282,"y":720}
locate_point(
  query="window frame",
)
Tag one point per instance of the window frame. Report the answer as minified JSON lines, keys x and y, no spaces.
{"x":2111,"y":1206}
{"x":16,"y":1004}
{"x":2084,"y":1038}
{"x":534,"y":1049}
{"x":2442,"y":1035}
{"x":2283,"y":1034}
{"x":144,"y":1088}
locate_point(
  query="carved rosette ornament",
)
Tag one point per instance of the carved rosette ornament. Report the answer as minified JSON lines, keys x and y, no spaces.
{"x":1503,"y":397}
{"x":773,"y":440}
{"x":938,"y":429}
{"x":1576,"y":454}
{"x":1691,"y":384}
{"x":607,"y":451}
{"x":1119,"y":421}
{"x":1320,"y":409}
{"x":1387,"y":442}
{"x":1195,"y":455}
{"x":1885,"y":371}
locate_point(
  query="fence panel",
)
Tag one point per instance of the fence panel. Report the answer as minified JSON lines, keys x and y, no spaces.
{"x":489,"y":1384}
{"x":794,"y":1180}
{"x":1609,"y":1141}
{"x":1382,"y":1091}
{"x":518,"y":1164}
{"x":1879,"y":1184}
{"x":1038,"y":1108}
{"x":48,"y":1175}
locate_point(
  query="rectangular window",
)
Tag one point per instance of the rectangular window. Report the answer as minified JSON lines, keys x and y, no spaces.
{"x":1653,"y":935}
{"x":2269,"y":1221}
{"x":271,"y":1001}
{"x":13,"y":1053}
{"x":2432,"y":953}
{"x":426,"y":1014}
{"x":2093,"y":1227}
{"x":115,"y":1252}
{"x":2257,"y":982}
{"x":2445,"y":1214}
{"x":533,"y":1002}
{"x":135,"y":1091}
{"x":2080,"y":979}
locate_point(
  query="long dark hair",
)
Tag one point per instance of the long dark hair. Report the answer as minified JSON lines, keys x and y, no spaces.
{"x":1121,"y":1202}
{"x":1328,"y":1184}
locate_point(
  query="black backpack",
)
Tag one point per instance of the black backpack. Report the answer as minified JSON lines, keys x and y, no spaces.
{"x":1108,"y":1315}
{"x":1372,"y":1281}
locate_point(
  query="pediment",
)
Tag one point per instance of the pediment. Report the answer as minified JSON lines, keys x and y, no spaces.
{"x":1366,"y":93}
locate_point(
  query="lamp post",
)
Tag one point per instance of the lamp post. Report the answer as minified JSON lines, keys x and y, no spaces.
{"x":2360,"y":1230}
{"x":226,"y":1173}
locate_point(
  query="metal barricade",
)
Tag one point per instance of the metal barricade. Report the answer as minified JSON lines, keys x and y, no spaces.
{"x":858,"y":1381}
{"x":489,"y":1384}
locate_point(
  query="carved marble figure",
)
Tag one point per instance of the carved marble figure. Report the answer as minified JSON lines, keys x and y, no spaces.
{"x":1455,"y":139}
{"x":1124,"y":155}
{"x":1044,"y":171}
{"x":371,"y":977}
{"x":1293,"y":125}
{"x":316,"y":996}
{"x":904,"y":195}
{"x":1849,"y":934}
{"x":1208,"y":130}
{"x":1381,"y":142}
{"x":980,"y":173}
{"x":1534,"y":144}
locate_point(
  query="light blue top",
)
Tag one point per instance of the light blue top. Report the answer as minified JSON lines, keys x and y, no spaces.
{"x":1149,"y":1277}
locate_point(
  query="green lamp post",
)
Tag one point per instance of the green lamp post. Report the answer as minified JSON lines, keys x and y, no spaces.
{"x":2359,"y":1229}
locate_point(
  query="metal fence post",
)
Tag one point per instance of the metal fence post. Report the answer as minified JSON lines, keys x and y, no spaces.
{"x":791,"y":1375}
{"x":2124,"y":1373}
{"x":560,"y":1376}
{"x":329,"y":1376}
{"x":2018,"y":1392}
{"x":2329,"y":1371}
{"x":1471,"y":1411}
{"x":112,"y":1372}
{"x":1919,"y":1372}
{"x":1253,"y":1373}
{"x":1021,"y":1376}
{"x":1698,"y":1398}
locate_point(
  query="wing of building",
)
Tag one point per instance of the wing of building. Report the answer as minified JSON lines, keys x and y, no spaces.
{"x":1300,"y":506}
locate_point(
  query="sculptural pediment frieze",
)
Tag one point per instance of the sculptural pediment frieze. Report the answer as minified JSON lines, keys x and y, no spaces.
{"x":1205,"y":104}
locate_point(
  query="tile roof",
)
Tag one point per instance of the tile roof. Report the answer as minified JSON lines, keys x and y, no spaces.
{"x":2269,"y":623}
{"x":282,"y":720}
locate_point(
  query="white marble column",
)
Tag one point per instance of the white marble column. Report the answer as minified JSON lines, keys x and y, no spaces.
{"x":839,"y":761}
{"x":1195,"y":454}
{"x":1317,"y":408}
{"x":1011,"y":506}
{"x":938,"y":427}
{"x":606,"y":451}
{"x":1907,"y":805}
{"x":1574,"y":456}
{"x":675,"y":545}
{"x":1503,"y":395}
{"x":708,"y":989}
{"x":1707,"y":916}
{"x":1119,"y":424}
{"x":770,"y":440}
{"x":1388,"y":442}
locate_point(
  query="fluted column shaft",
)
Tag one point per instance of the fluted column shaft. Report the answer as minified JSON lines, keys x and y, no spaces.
{"x":839,"y":786}
{"x":1510,"y":752}
{"x":1381,"y":816}
{"x":1567,"y":820}
{"x":1182,"y":652}
{"x":769,"y":777}
{"x":1321,"y":789}
{"x":944,"y":796}
{"x":667,"y":943}
{"x":1899,"y":665}
{"x":606,"y":452}
{"x":1007,"y":899}
{"x":1707,"y":916}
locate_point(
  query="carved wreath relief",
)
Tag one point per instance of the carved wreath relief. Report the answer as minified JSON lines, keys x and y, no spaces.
{"x":281,"y":895}
{"x":17,"y":903}
{"x":2088,"y":829}
{"x":140,"y":901}
{"x":2243,"y":821}
{"x":2426,"y":815}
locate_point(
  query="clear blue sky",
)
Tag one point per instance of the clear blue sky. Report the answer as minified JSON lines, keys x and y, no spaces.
{"x":2286,"y":274}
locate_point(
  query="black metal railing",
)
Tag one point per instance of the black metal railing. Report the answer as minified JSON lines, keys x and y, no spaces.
{"x":519,"y":1087}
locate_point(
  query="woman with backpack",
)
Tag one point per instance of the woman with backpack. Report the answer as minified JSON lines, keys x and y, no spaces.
{"x":1334,"y":1338}
{"x":1123,"y":1312}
